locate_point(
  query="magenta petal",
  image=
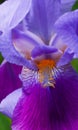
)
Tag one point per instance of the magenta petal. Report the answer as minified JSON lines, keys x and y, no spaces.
{"x":9,"y":80}
{"x":49,"y":108}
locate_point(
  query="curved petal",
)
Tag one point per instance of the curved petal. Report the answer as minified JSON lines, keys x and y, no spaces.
{"x":67,"y":28}
{"x":8,"y":104}
{"x":25,"y":42}
{"x":43,"y":50}
{"x":12,"y":12}
{"x":42,"y":16}
{"x":49,"y":108}
{"x":9,"y":80}
{"x":30,"y":45}
{"x":66,"y":58}
{"x":64,"y":55}
{"x":24,"y":47}
{"x":11,"y":54}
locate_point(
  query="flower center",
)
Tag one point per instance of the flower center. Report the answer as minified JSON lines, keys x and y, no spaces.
{"x":45,"y":72}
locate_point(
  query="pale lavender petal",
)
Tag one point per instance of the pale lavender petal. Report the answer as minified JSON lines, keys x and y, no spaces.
{"x":24,"y":46}
{"x":41,"y":18}
{"x":9,"y":79}
{"x":67,"y":29}
{"x":24,"y":43}
{"x":12,"y":12}
{"x":49,"y":108}
{"x":8,"y":104}
{"x":66,"y":58}
{"x":64,"y":55}
{"x":10,"y":53}
{"x":66,"y":5}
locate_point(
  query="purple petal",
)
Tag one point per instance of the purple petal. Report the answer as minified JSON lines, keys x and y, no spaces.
{"x":12,"y":12}
{"x":66,"y":5}
{"x":67,"y":28}
{"x":42,"y":16}
{"x":9,"y":80}
{"x":49,"y":108}
{"x":30,"y":45}
{"x":8,"y":104}
{"x":66,"y":58}
{"x":64,"y":55}
{"x":43,"y":50}
{"x":25,"y":42}
{"x":10,"y":53}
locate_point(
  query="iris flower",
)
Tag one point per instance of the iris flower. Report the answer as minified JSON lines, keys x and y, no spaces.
{"x":42,"y":39}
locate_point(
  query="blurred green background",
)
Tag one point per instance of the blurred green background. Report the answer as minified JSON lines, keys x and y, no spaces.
{"x":5,"y":122}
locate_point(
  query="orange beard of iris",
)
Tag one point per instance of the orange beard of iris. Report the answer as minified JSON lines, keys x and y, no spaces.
{"x":45,"y":72}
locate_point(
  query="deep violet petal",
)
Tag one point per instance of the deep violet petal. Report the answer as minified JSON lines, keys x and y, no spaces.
{"x":9,"y":79}
{"x":49,"y":108}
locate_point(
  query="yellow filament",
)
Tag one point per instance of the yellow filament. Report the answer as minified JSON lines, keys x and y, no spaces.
{"x":45,"y":75}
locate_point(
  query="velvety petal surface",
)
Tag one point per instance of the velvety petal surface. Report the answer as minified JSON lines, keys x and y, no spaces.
{"x":9,"y":79}
{"x":42,"y":16}
{"x":8,"y":104}
{"x":12,"y":12}
{"x":49,"y":108}
{"x":67,"y":28}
